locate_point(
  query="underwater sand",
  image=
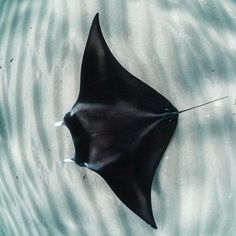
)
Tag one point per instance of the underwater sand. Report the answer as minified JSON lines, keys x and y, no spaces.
{"x":184,"y":49}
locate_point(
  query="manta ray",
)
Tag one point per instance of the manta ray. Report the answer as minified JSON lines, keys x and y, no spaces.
{"x":120,"y":126}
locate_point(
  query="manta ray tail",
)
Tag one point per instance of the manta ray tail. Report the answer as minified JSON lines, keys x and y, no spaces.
{"x":191,"y":108}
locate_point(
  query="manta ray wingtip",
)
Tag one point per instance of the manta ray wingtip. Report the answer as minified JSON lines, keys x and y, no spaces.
{"x":153,"y":225}
{"x":150,"y":220}
{"x":96,"y":19}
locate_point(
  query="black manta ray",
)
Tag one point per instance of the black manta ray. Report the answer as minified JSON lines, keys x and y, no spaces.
{"x":120,"y":126}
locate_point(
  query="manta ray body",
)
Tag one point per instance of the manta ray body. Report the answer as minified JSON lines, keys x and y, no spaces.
{"x":120,"y":126}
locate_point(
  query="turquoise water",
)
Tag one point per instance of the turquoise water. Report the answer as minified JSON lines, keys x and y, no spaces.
{"x":184,"y":49}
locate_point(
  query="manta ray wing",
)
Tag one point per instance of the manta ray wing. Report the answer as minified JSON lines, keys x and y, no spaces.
{"x":104,"y":80}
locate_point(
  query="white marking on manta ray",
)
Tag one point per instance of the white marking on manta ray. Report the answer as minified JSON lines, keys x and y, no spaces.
{"x":68,"y":160}
{"x":101,"y":165}
{"x":59,"y":123}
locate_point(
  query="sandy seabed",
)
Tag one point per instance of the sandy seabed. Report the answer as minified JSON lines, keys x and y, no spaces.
{"x":186,"y":50}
